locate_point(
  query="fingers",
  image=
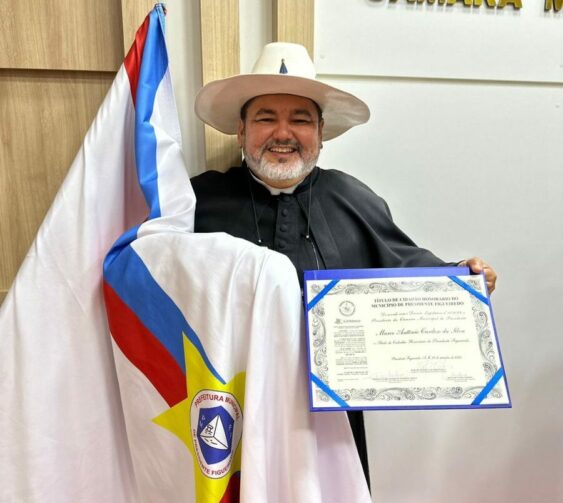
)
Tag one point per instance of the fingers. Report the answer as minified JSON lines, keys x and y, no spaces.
{"x":478,"y":266}
{"x":490,"y":277}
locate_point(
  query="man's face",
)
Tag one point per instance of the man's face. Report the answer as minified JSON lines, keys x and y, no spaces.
{"x":281,"y":138}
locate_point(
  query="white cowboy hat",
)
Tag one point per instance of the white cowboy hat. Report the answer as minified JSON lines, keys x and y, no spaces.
{"x":282,"y":68}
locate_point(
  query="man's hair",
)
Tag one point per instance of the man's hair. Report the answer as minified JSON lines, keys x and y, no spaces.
{"x":244,"y":109}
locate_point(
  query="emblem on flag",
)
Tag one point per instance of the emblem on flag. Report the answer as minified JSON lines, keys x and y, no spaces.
{"x":216,"y":419}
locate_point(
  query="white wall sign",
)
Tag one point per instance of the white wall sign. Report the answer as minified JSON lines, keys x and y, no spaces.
{"x":433,"y":40}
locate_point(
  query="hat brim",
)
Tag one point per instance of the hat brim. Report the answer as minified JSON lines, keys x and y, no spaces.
{"x":219,"y":102}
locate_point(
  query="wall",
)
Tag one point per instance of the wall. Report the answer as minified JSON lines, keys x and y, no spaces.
{"x":57,"y":60}
{"x":465,"y":145}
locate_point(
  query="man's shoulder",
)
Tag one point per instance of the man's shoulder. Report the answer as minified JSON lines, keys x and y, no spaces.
{"x":341,"y":177}
{"x":336,"y":180}
{"x":215,"y":181}
{"x":341,"y":189}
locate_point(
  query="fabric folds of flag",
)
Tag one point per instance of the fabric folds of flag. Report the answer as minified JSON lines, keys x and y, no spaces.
{"x":196,"y":391}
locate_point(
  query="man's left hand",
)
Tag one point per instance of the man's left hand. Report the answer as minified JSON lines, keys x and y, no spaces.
{"x":477,"y":266}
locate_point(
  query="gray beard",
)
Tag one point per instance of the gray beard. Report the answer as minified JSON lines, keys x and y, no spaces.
{"x":280,"y":172}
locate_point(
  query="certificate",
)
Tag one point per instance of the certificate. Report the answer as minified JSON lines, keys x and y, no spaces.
{"x":414,"y":338}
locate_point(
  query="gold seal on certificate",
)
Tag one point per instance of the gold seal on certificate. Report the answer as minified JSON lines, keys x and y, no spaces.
{"x":412,"y":338}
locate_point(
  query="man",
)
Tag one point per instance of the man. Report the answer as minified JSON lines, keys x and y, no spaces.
{"x":320,"y":219}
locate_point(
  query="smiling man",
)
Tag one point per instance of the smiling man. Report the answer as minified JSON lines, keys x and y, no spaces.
{"x":280,"y":135}
{"x":279,"y":198}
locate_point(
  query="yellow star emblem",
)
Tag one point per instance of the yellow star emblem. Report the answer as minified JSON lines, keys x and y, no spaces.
{"x":209,"y":422}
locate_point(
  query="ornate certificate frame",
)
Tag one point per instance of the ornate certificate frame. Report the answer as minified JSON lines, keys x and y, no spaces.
{"x":415,"y":338}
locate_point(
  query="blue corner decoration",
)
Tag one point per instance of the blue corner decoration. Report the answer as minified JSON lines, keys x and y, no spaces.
{"x":328,"y":391}
{"x":470,"y":289}
{"x":490,"y":385}
{"x":283,"y":68}
{"x":322,"y":293}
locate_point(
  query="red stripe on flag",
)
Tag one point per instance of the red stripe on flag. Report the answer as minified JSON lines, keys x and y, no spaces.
{"x":134,"y":57}
{"x":144,"y":350}
{"x":232,"y":493}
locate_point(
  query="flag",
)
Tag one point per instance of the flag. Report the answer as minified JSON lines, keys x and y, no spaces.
{"x":196,"y":389}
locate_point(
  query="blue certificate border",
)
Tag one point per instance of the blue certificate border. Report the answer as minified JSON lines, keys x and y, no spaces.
{"x":335,"y":275}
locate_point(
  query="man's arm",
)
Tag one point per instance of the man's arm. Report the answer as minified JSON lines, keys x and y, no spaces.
{"x":394,"y":246}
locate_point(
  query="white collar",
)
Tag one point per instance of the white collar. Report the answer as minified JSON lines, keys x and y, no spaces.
{"x":273,"y":190}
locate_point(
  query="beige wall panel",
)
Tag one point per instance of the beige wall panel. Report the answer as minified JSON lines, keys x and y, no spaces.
{"x":133,"y":13}
{"x":221,"y":151}
{"x":61,"y":34}
{"x":220,"y":54}
{"x":45,"y":116}
{"x":294,"y":21}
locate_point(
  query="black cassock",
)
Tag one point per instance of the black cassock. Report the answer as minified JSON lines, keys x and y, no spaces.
{"x":331,"y":221}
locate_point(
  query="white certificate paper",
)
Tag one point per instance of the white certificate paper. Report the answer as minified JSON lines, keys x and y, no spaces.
{"x":402,"y":338}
